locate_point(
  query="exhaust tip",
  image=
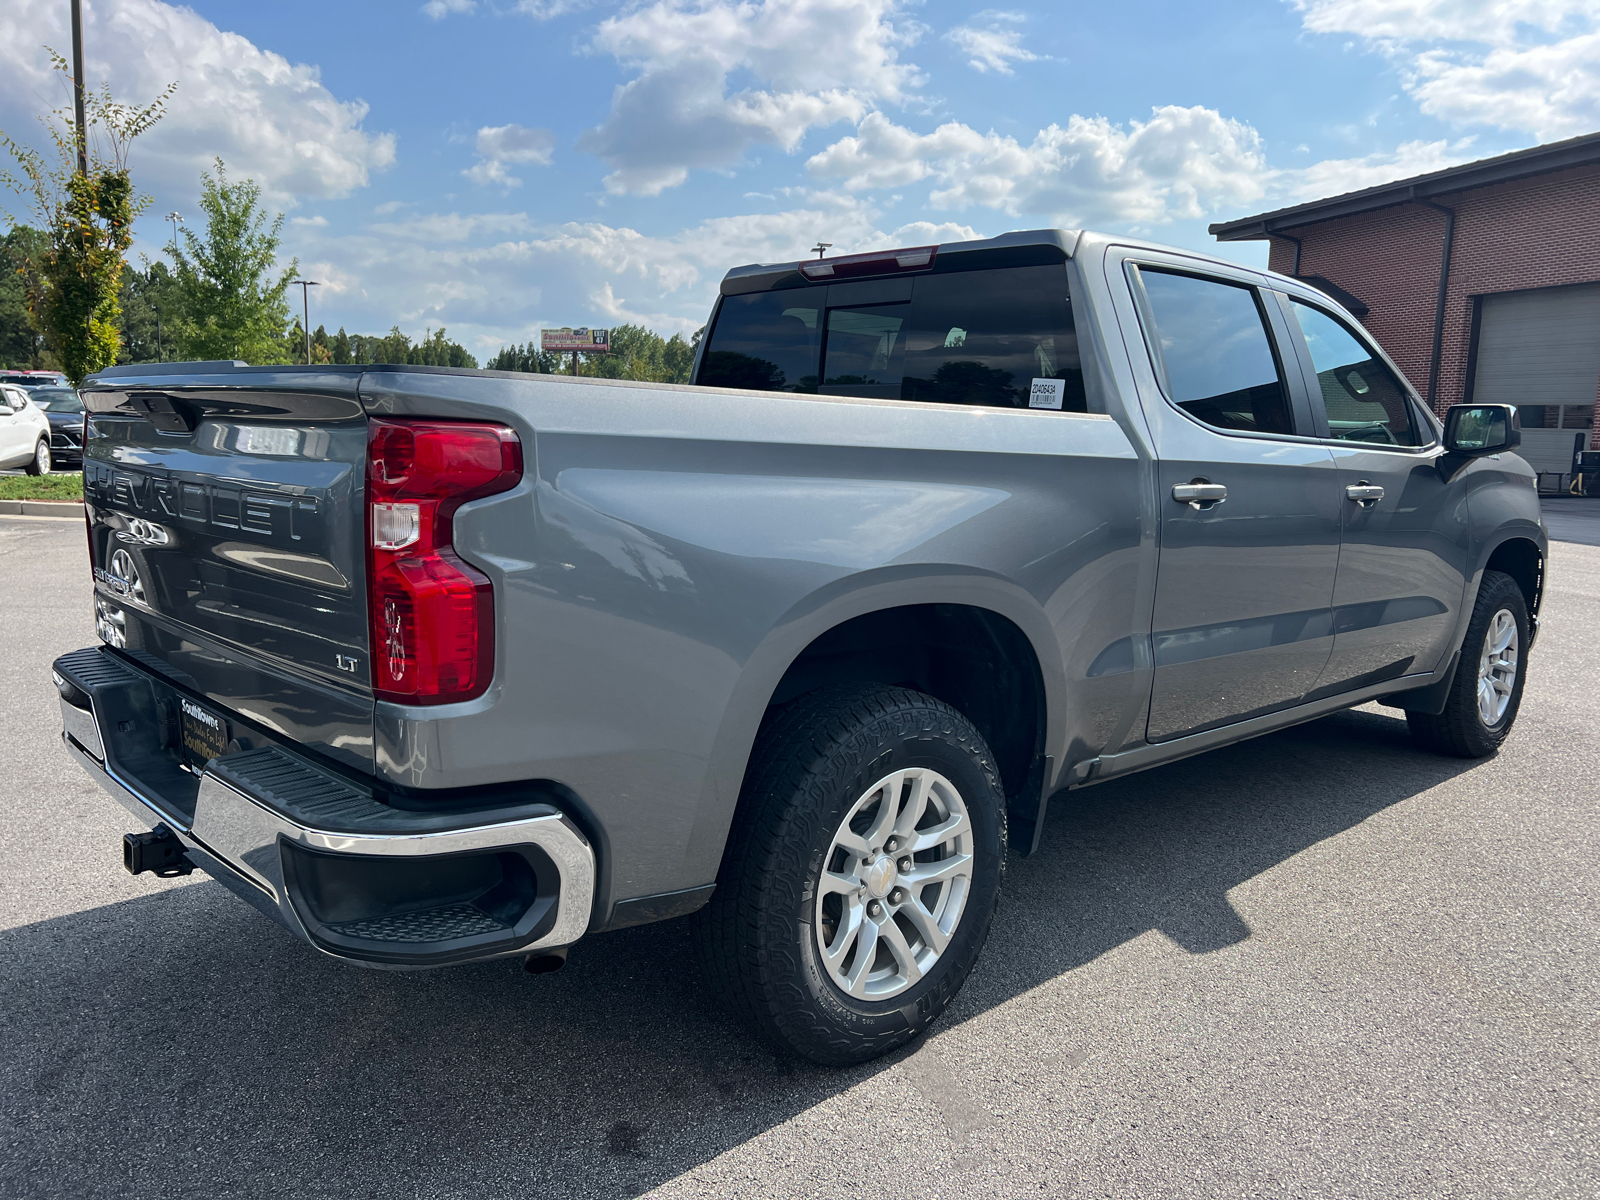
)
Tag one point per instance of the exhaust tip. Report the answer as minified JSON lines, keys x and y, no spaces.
{"x":545,"y":961}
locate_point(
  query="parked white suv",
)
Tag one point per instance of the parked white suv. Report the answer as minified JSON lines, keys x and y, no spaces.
{"x":24,"y":432}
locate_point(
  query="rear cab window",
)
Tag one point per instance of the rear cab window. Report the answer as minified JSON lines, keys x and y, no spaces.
{"x":993,"y":337}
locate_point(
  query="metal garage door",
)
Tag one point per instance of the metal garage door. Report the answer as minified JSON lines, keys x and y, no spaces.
{"x":1540,"y":350}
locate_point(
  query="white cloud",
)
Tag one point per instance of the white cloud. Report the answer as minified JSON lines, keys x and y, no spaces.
{"x":268,"y":118}
{"x":1492,"y":21}
{"x":817,"y":61}
{"x":543,"y":10}
{"x":1335,"y":176}
{"x":539,"y":10}
{"x":1551,"y":91}
{"x":495,"y":278}
{"x":1527,"y":65}
{"x":996,"y":45}
{"x":331,"y":280}
{"x":516,"y":144}
{"x":1179,"y":164}
{"x":316,"y":222}
{"x":491,"y":171}
{"x":498,"y":145}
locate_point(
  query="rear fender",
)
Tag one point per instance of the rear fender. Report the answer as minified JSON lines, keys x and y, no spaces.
{"x":825,"y":609}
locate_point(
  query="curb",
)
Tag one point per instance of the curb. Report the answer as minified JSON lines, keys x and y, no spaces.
{"x":41,"y":508}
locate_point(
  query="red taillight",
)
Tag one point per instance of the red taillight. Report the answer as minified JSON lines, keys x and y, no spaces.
{"x":884,"y":262}
{"x":432,"y":615}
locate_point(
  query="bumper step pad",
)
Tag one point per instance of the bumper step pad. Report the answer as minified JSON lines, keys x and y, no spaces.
{"x":442,"y":924}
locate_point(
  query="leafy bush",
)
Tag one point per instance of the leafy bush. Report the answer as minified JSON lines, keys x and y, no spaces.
{"x":42,"y":487}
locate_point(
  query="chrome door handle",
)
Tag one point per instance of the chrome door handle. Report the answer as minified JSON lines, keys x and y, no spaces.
{"x":1364,"y":493}
{"x":1199,"y":495}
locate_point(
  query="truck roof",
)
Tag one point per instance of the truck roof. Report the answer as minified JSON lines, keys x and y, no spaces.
{"x":1009,"y":249}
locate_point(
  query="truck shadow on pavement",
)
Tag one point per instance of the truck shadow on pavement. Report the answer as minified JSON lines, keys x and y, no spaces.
{"x":180,"y":1045}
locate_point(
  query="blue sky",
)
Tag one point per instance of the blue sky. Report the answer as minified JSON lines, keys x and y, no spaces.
{"x":494,"y":166}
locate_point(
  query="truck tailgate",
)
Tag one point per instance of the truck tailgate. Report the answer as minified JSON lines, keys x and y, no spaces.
{"x":226,"y":531}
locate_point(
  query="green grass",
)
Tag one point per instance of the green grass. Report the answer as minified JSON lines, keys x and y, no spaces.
{"x":42,"y":487}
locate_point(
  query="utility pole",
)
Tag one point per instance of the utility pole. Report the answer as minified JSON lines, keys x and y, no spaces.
{"x":822,"y":247}
{"x":77,"y":86}
{"x":305,"y":308}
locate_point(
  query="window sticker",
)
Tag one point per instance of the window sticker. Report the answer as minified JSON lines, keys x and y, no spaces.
{"x":1047,"y":393}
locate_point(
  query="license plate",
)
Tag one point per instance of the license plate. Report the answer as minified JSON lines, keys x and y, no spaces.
{"x":205,"y":735}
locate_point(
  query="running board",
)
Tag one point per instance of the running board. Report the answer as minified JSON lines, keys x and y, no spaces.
{"x":1142,"y":758}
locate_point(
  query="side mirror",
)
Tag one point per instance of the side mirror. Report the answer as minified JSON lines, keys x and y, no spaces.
{"x":1474,"y":430}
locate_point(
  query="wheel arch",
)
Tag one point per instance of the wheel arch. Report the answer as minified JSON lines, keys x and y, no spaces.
{"x":904,"y":628}
{"x":974,"y":659}
{"x":1523,"y":559}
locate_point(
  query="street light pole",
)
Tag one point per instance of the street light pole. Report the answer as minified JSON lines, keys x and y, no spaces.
{"x":305,"y":308}
{"x":175,"y":218}
{"x":77,"y":86}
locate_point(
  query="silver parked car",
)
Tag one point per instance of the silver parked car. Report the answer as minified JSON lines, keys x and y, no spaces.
{"x":435,"y":665}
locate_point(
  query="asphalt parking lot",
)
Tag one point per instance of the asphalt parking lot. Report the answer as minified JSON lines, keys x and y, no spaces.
{"x":1320,"y":964}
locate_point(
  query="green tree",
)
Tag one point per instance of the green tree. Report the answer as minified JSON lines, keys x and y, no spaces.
{"x":435,"y":350}
{"x":148,"y":304}
{"x":677,"y":357}
{"x":21,"y":343}
{"x":321,"y":352}
{"x":75,"y":287}
{"x":392,"y":349}
{"x":640,"y":353}
{"x":231,"y":303}
{"x":529,"y":358}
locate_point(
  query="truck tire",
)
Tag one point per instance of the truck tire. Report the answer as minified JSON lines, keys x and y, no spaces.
{"x":861,"y":875}
{"x":1487,"y":689}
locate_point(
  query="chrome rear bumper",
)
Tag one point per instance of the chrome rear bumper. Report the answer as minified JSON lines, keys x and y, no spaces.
{"x":356,"y":878}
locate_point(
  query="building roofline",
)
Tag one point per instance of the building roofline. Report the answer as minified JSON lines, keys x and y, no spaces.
{"x":1580,"y":151}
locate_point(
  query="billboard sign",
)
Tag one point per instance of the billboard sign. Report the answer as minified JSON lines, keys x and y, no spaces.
{"x":564,"y":340}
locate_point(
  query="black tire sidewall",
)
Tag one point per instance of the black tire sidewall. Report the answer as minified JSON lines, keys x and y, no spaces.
{"x":930,"y":735}
{"x":1459,"y":729}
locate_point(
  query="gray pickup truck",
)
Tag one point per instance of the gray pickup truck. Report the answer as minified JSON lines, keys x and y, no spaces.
{"x":434,"y":666}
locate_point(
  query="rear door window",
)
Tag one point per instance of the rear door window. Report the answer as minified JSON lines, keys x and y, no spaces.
{"x":965,"y":337}
{"x":1364,"y":401}
{"x":1210,"y":345}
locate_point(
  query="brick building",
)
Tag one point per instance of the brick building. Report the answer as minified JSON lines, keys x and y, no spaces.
{"x":1481,"y":281}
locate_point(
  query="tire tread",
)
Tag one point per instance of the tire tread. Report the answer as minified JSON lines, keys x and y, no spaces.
{"x":1457,"y":731}
{"x":799,"y":751}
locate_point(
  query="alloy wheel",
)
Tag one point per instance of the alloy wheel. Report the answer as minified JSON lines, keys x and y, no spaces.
{"x":894,"y":884}
{"x":1497,"y":668}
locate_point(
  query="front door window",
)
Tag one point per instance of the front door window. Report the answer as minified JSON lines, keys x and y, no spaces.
{"x":1364,"y":401}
